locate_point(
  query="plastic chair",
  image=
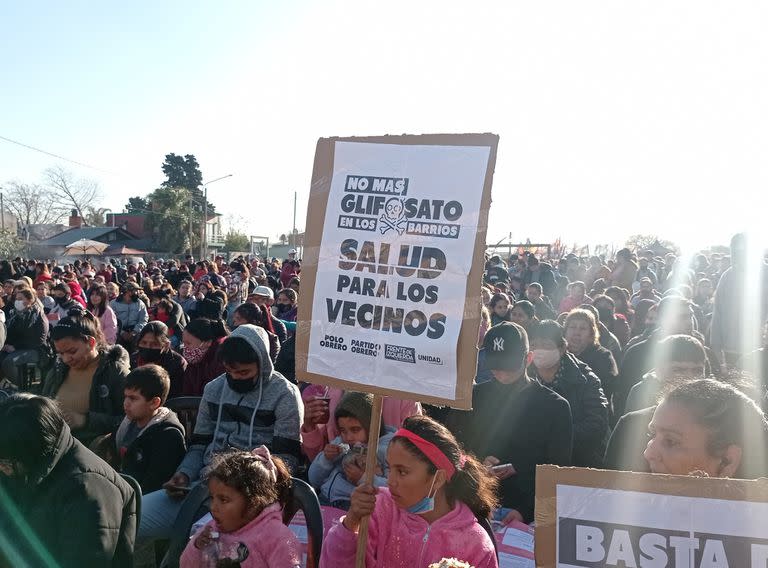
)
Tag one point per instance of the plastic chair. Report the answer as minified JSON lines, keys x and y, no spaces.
{"x":186,"y":408}
{"x":137,"y":492}
{"x":305,"y":499}
{"x":196,"y":504}
{"x":30,"y":377}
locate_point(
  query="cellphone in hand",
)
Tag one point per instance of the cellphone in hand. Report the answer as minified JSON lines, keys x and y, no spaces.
{"x":501,"y":469}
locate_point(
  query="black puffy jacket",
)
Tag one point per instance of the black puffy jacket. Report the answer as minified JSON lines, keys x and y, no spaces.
{"x":577,"y":384}
{"x":28,"y":329}
{"x":76,"y":512}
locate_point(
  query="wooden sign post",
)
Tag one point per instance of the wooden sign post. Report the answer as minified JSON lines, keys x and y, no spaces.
{"x":370,"y":470}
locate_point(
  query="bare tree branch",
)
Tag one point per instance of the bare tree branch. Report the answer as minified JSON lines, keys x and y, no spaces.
{"x":32,"y":204}
{"x":70,"y":192}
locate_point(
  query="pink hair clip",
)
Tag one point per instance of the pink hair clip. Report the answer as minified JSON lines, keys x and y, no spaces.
{"x":262,"y":454}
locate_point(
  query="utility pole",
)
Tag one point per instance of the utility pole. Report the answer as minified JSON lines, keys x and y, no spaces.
{"x":204,"y":230}
{"x":293,"y":233}
{"x":204,"y":240}
{"x":2,"y":212}
{"x":190,"y":222}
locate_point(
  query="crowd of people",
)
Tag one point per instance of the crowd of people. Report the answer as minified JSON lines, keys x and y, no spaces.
{"x":636,"y":363}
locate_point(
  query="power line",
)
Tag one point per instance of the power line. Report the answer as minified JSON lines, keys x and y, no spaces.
{"x":55,"y":155}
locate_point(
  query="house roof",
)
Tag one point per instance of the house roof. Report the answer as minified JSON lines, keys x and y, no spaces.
{"x":122,"y":250}
{"x":92,"y":233}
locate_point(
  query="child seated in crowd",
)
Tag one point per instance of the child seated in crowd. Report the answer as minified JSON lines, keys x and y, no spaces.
{"x":248,"y":406}
{"x":150,"y":440}
{"x":320,"y":404}
{"x":248,"y":493}
{"x":338,"y":469}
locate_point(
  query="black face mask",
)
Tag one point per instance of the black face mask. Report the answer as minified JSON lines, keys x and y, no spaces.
{"x":606,"y":316}
{"x":149,"y":355}
{"x":60,"y":300}
{"x":282,"y":308}
{"x":240,"y":386}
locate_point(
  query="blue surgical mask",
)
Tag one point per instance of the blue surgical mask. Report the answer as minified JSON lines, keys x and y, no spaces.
{"x":425,"y":505}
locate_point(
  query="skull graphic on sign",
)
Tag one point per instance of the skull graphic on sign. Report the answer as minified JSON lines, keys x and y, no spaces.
{"x":393,"y":217}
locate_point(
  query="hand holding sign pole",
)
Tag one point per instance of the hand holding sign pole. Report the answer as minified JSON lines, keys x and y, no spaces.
{"x":370,"y":470}
{"x":394,"y":259}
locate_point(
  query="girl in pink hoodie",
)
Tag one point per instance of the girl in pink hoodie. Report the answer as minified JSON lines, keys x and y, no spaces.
{"x":248,"y":493}
{"x":428,"y":512}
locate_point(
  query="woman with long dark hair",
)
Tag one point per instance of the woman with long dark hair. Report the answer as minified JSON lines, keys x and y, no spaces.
{"x":153,"y":346}
{"x":98,"y":305}
{"x":87,"y":380}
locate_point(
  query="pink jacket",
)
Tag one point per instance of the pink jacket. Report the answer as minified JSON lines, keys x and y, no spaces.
{"x":393,"y":412}
{"x":270,"y":543}
{"x":109,"y":325}
{"x":398,"y":539}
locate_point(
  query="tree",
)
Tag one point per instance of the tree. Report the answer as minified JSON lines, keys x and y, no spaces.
{"x":185,"y":172}
{"x":182,"y":171}
{"x":283,"y":239}
{"x":641,"y":242}
{"x":137,"y":205}
{"x":10,"y":245}
{"x":168,"y":207}
{"x":169,"y":217}
{"x":32,"y":204}
{"x":235,"y":241}
{"x":70,"y":192}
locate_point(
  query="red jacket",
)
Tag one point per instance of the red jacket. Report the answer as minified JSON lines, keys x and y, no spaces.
{"x":286,"y":274}
{"x":77,"y":292}
{"x":107,"y":274}
{"x":42,"y":277}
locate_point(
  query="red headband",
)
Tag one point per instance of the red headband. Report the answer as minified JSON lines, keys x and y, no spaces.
{"x":433,"y":453}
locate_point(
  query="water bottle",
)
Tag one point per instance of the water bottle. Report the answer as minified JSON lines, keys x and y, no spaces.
{"x":211,"y":551}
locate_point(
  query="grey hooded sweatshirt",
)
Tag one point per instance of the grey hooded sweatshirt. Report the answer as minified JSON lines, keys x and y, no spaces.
{"x":271,"y":414}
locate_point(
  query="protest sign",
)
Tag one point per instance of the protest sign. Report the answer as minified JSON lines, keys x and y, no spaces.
{"x":514,"y":544}
{"x":588,"y":518}
{"x":393,"y":265}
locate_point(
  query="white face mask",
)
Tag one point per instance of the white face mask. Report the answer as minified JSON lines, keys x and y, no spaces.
{"x":19,"y":305}
{"x":545,"y":358}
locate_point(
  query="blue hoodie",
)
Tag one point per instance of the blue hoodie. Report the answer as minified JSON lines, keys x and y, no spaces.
{"x":328,"y":476}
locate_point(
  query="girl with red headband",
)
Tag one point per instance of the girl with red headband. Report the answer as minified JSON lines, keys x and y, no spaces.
{"x":429,"y":509}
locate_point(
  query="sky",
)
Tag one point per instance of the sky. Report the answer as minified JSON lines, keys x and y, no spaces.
{"x":614,"y":117}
